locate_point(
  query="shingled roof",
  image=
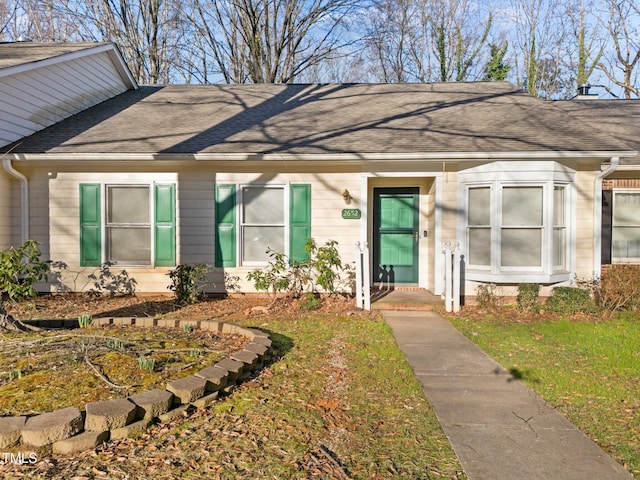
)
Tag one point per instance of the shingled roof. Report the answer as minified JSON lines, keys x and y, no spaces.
{"x":357,"y":119}
{"x":618,"y":118}
{"x":13,"y":54}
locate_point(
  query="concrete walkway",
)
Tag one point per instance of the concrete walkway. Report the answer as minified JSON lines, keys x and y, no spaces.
{"x":498,"y":427}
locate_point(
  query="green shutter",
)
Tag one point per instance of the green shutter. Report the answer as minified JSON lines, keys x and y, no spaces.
{"x":299,"y":220}
{"x":225,"y":226}
{"x":90,"y":235}
{"x":165,"y":226}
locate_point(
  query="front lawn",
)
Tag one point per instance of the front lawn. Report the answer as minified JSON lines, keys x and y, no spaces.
{"x":338,"y":401}
{"x":586,"y":368}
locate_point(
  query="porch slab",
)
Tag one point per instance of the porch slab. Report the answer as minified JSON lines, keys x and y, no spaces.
{"x":405,"y":298}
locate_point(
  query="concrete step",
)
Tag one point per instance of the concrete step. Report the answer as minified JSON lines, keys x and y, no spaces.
{"x":405,"y":299}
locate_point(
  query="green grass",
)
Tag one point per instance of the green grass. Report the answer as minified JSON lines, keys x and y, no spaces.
{"x":589,"y":370}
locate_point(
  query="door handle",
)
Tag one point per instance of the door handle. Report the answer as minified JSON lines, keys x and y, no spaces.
{"x":417,"y":236}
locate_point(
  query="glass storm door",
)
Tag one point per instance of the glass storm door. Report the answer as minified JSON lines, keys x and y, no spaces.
{"x":396,"y":236}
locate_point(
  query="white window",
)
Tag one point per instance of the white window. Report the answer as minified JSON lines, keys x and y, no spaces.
{"x":128,"y":224}
{"x":516,"y":222}
{"x":262,"y":222}
{"x":626,"y":226}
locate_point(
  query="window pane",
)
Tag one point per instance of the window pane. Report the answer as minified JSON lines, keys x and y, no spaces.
{"x":479,"y":246}
{"x":128,"y":205}
{"x":129,"y":245}
{"x":559,"y":248}
{"x":479,"y":206}
{"x":256,"y":240}
{"x":626,"y":242}
{"x":521,"y":247}
{"x":521,"y":206}
{"x":626,"y":209}
{"x":263,"y":205}
{"x":558,"y":206}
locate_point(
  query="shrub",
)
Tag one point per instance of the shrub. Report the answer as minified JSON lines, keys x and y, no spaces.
{"x":20,"y":269}
{"x":310,"y":302}
{"x":527,"y":298}
{"x":321,"y":270}
{"x":619,"y":288}
{"x":187,"y":282}
{"x":486,"y":296}
{"x":570,"y":300}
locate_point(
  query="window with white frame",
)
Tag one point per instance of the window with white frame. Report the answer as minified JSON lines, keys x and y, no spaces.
{"x":262,"y":222}
{"x":626,"y":226}
{"x":516,"y":229}
{"x":128,"y":224}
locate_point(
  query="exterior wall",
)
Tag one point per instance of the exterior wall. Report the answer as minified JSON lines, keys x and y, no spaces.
{"x":585,"y":232}
{"x":38,"y":98}
{"x":6,"y":228}
{"x":55,"y":213}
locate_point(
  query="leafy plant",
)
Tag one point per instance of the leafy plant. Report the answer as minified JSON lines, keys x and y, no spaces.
{"x":146,"y":363}
{"x":275,"y":277}
{"x":310,"y":302}
{"x":20,"y":269}
{"x":84,"y":321}
{"x":570,"y":300}
{"x":527,"y":298}
{"x":187,"y":282}
{"x":321,"y":270}
{"x":15,"y":374}
{"x":187,"y":328}
{"x":113,"y":284}
{"x":486,"y":296}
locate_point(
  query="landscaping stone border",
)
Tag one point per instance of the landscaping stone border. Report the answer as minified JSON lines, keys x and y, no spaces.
{"x":70,"y":430}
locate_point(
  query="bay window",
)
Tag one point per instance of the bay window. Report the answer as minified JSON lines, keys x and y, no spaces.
{"x":516,"y":229}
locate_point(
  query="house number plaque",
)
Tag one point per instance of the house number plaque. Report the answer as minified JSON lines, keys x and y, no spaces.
{"x":354,"y":213}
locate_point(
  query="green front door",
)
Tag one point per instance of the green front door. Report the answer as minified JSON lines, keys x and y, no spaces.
{"x":396,"y":236}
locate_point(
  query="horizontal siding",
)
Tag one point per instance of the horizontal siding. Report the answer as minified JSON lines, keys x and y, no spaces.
{"x":6,"y":220}
{"x":33,"y":100}
{"x":55,"y":211}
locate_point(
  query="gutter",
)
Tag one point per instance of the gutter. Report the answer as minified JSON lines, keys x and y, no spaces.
{"x":597,"y":215}
{"x":24,"y":197}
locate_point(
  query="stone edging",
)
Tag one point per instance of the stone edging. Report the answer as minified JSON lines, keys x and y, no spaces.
{"x":70,"y":430}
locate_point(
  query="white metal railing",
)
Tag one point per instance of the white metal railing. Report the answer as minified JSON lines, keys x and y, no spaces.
{"x":452,"y":257}
{"x":363,"y":276}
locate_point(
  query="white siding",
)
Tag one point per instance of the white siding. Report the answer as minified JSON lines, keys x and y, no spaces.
{"x":5,"y":211}
{"x":35,"y":99}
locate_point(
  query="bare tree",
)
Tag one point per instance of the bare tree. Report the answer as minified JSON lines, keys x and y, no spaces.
{"x":622,"y":26}
{"x":541,"y":38}
{"x":268,"y":41}
{"x":428,"y":40}
{"x":147,"y":31}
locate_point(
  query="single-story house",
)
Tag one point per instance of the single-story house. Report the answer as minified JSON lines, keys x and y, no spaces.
{"x":159,"y":176}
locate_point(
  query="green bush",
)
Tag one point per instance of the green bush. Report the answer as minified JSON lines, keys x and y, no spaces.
{"x":486,"y":296}
{"x":527,"y":298}
{"x":321,"y":270}
{"x":187,"y":282}
{"x":20,"y":269}
{"x":570,"y":300}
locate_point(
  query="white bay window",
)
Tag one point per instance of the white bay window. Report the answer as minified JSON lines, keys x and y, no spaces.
{"x":516,"y":222}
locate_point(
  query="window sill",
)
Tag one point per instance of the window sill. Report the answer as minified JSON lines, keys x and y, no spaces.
{"x":517,"y":277}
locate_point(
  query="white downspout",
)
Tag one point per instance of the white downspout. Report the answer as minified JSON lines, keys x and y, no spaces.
{"x":24,"y":197}
{"x":597,"y":215}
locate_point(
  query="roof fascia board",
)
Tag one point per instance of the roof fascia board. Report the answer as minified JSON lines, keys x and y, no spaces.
{"x":323,"y":158}
{"x":109,"y":48}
